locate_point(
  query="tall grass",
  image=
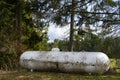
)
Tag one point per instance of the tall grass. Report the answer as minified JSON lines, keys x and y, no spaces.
{"x":9,"y":62}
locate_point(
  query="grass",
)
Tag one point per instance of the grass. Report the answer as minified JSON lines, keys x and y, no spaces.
{"x":53,"y":76}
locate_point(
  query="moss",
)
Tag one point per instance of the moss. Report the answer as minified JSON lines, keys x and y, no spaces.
{"x":112,"y":63}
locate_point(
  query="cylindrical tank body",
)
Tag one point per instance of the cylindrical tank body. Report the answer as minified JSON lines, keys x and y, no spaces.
{"x":91,"y":62}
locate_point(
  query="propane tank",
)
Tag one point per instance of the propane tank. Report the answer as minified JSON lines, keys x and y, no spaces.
{"x":90,"y":62}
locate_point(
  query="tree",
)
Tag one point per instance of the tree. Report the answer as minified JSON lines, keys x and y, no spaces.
{"x":72,"y":26}
{"x":19,"y":31}
{"x":97,"y":13}
{"x":18,"y":24}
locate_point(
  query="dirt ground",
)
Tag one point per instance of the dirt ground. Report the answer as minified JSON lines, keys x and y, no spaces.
{"x":25,"y":75}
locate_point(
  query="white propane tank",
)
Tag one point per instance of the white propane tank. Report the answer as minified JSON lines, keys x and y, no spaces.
{"x":90,"y":62}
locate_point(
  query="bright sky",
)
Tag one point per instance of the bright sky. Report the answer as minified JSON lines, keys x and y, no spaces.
{"x":57,"y":32}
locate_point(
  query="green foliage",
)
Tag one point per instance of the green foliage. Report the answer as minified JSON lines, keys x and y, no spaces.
{"x":109,"y":46}
{"x":5,"y":14}
{"x":33,"y":39}
{"x":15,"y":39}
{"x":110,"y":2}
{"x":9,"y":62}
{"x":112,"y":63}
{"x":63,"y":45}
{"x":86,"y":41}
{"x":42,"y":46}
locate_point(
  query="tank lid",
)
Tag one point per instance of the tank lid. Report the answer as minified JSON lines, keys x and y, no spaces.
{"x":55,"y":49}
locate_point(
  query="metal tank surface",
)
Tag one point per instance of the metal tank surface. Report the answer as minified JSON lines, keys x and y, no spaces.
{"x":90,"y":62}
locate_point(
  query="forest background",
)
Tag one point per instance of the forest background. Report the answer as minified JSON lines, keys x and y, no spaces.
{"x":94,"y":26}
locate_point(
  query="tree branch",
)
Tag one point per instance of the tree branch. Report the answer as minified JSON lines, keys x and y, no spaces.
{"x":98,"y":13}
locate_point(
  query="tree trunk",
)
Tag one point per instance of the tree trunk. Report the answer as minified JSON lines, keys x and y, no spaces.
{"x":70,"y":47}
{"x":18,"y":25}
{"x":19,"y":17}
